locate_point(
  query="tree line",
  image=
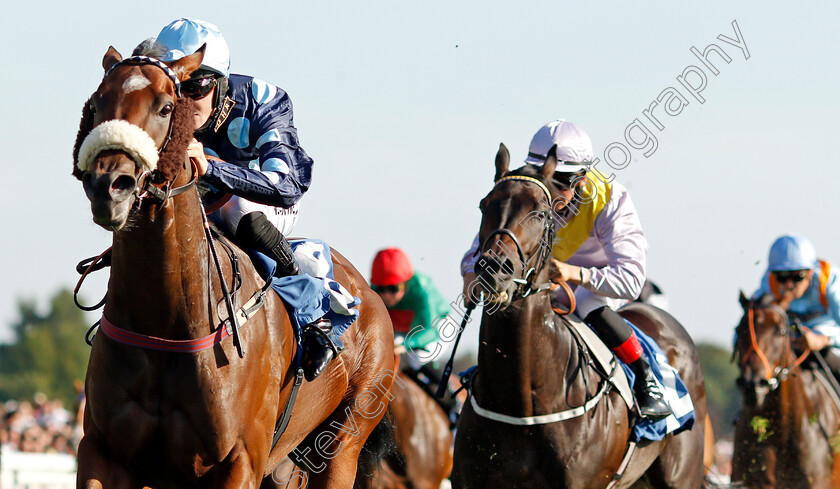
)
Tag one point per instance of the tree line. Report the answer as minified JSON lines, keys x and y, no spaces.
{"x":48,"y":353}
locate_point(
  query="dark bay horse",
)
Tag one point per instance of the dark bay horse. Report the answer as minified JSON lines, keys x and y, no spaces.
{"x":788,"y":430}
{"x":529,"y":365}
{"x":204,"y":418}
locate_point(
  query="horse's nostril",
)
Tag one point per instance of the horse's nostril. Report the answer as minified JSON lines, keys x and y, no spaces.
{"x":123,"y":183}
{"x":122,"y":187}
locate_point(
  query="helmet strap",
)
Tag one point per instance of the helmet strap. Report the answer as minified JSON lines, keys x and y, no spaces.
{"x":221,"y":106}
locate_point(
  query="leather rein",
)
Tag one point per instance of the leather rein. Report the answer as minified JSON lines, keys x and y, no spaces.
{"x":773,"y":376}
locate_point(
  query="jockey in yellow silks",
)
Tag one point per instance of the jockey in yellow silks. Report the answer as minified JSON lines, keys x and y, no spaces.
{"x":600,"y":249}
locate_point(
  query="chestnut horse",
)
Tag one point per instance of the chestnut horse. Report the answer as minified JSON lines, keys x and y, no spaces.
{"x":204,"y":418}
{"x":788,"y":430}
{"x":423,"y":455}
{"x":529,"y":365}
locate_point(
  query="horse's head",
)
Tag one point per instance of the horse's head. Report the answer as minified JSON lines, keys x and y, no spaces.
{"x":763,"y":346}
{"x":517,"y":229}
{"x":135,"y":129}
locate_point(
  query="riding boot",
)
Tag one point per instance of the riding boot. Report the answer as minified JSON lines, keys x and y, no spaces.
{"x":256,"y":232}
{"x":617,"y":335}
{"x":319,"y":348}
{"x":649,"y":395}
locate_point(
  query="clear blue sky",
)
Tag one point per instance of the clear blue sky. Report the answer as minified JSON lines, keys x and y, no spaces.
{"x":403,"y":104}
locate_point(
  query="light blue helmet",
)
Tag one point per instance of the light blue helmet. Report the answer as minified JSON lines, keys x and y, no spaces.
{"x":792,"y":252}
{"x":184,"y":36}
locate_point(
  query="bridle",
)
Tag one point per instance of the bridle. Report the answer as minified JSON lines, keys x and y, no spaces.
{"x":773,"y":376}
{"x":145,"y":189}
{"x":537,"y":260}
{"x":146,"y":60}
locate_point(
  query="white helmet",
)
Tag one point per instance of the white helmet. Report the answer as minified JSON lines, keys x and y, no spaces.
{"x":574,"y":148}
{"x":792,"y":252}
{"x":184,"y":36}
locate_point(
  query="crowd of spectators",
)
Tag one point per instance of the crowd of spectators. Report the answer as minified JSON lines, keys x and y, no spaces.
{"x":41,"y":425}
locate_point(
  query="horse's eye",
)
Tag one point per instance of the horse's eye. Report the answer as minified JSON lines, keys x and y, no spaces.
{"x":542,"y":214}
{"x":166,"y":110}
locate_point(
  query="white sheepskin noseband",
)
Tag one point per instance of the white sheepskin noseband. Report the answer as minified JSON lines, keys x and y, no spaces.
{"x":122,"y":135}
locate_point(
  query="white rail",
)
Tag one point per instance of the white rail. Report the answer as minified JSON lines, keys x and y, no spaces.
{"x":37,"y":470}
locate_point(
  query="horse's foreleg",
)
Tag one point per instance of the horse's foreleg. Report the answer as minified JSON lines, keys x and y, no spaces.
{"x":339,"y":473}
{"x":95,"y":471}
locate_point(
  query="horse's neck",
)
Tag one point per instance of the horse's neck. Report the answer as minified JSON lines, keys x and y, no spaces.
{"x":526,"y":357}
{"x":159,"y":270}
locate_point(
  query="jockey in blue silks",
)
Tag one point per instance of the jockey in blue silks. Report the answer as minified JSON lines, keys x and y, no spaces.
{"x":793,"y":266}
{"x":246,"y":127}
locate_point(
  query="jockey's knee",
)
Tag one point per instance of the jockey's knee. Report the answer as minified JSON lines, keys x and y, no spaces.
{"x":610,"y":327}
{"x":253,"y":224}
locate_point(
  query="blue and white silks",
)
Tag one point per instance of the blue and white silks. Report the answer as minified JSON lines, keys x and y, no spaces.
{"x":313,"y":293}
{"x":676,"y":394}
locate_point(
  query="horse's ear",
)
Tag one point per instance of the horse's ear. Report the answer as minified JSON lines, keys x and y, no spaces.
{"x":743,"y":300}
{"x":184,"y":67}
{"x":502,"y":161}
{"x":550,"y":162}
{"x":111,"y":58}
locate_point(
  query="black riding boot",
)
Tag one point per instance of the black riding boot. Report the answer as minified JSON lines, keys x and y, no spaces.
{"x":648,"y":393}
{"x":257,"y":233}
{"x":318,"y":348}
{"x":618,"y":336}
{"x":254,"y":231}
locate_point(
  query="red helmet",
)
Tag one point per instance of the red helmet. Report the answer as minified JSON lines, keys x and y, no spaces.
{"x":391,"y":267}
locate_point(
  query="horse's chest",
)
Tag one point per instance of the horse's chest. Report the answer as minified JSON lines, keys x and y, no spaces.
{"x":141,"y":406}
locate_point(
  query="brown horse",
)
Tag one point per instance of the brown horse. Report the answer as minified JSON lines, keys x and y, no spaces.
{"x":423,"y":458}
{"x":203,"y":418}
{"x":529,"y":365}
{"x":788,"y":430}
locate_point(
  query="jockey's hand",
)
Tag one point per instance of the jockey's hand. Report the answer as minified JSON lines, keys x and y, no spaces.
{"x":559,"y":271}
{"x":813,"y":341}
{"x":196,"y":151}
{"x":470,"y":290}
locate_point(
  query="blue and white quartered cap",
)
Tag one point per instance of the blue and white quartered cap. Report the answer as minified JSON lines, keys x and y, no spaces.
{"x":792,"y":252}
{"x":185,"y":36}
{"x":574,"y":148}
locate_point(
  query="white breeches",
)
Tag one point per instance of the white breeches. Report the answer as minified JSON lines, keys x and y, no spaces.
{"x":283,"y":218}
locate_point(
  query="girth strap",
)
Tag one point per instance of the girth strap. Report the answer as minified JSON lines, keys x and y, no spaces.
{"x":280,"y":427}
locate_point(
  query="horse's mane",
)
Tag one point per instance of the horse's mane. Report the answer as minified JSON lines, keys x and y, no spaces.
{"x":85,"y":126}
{"x":183,"y":126}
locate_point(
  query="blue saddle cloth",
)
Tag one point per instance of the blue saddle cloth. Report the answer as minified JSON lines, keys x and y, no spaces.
{"x":313,"y":294}
{"x":676,"y":394}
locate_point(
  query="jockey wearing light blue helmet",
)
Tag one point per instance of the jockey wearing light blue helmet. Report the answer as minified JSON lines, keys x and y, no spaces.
{"x":793,"y":267}
{"x":246,"y":127}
